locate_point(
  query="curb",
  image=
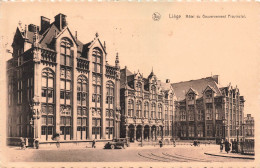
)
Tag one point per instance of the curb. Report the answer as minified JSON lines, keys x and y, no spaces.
{"x":237,"y":157}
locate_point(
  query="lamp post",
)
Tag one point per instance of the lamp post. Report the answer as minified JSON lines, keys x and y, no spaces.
{"x":224,"y":126}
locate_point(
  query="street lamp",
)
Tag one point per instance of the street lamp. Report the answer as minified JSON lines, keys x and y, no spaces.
{"x":224,"y":126}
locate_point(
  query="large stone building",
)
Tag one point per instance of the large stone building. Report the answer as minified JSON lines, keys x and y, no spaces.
{"x":206,"y":110}
{"x":147,"y":107}
{"x":58,"y":85}
{"x":249,"y":127}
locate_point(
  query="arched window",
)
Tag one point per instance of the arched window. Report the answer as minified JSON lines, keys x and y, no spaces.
{"x":153,"y":110}
{"x":82,"y":102}
{"x":166,"y":112}
{"x":153,"y":90}
{"x":110,"y":109}
{"x":66,"y":53}
{"x":96,"y":60}
{"x":110,"y":94}
{"x":47,"y":104}
{"x":138,"y":108}
{"x":146,"y":109}
{"x":65,"y":101}
{"x":160,"y":111}
{"x":139,"y":89}
{"x":130,"y":108}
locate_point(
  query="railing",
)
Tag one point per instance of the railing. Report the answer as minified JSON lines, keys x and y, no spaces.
{"x":208,"y":100}
{"x":48,"y":56}
{"x":82,"y":64}
{"x":146,"y":95}
{"x":160,"y":98}
{"x":248,"y":147}
{"x":110,"y":71}
{"x":191,"y":102}
{"x":131,"y":92}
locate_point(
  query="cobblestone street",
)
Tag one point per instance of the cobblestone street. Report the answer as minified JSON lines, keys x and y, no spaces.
{"x":131,"y":154}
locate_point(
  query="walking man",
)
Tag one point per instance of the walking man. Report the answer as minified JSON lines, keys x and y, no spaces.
{"x":93,"y":143}
{"x":227,"y":146}
{"x":221,"y":145}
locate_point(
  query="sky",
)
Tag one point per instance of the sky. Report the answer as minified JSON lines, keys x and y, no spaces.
{"x":177,"y":49}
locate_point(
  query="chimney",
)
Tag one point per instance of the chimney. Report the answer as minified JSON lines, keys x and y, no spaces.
{"x":215,"y":78}
{"x":32,"y":28}
{"x":168,"y":81}
{"x":60,"y":21}
{"x":45,"y":24}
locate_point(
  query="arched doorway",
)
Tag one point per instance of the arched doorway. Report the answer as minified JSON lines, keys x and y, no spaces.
{"x":139,"y":133}
{"x":161,"y":131}
{"x":146,"y":133}
{"x":131,"y":132}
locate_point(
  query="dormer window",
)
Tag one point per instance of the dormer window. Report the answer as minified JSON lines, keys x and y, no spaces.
{"x":153,"y":90}
{"x":191,"y":97}
{"x":139,"y":89}
{"x":96,"y":60}
{"x":208,"y":94}
{"x":65,"y":52}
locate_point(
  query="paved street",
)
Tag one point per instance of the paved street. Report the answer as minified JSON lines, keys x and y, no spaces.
{"x":131,"y":154}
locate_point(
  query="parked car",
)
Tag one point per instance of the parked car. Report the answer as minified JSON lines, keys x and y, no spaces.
{"x":117,"y":143}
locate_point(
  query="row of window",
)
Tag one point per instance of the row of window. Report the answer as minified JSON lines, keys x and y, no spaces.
{"x":146,"y":110}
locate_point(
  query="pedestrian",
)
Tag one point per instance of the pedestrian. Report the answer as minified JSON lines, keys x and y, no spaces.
{"x":227,"y":146}
{"x":93,"y":143}
{"x":160,"y":143}
{"x":174,"y":143}
{"x":221,"y":145}
{"x":26,"y":142}
{"x":22,"y":143}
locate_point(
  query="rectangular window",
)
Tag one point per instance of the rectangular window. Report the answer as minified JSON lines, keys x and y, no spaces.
{"x":44,"y":109}
{"x":62,"y":97}
{"x":44,"y":130}
{"x":50,"y":109}
{"x":84,"y":111}
{"x":79,"y":121}
{"x":68,"y":96}
{"x":84,"y":99}
{"x":84,"y":121}
{"x":62,"y":59}
{"x":44,"y":82}
{"x":68,"y":121}
{"x":50,"y":120}
{"x":50,"y":96}
{"x":67,"y":85}
{"x":44,"y":120}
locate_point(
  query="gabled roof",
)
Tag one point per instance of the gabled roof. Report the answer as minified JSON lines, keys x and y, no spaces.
{"x":191,"y":90}
{"x":180,"y":89}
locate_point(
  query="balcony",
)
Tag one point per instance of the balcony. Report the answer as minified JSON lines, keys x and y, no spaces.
{"x":82,"y":64}
{"x":48,"y":57}
{"x":111,"y":71}
{"x":191,"y":102}
{"x":208,"y":100}
{"x":146,"y":95}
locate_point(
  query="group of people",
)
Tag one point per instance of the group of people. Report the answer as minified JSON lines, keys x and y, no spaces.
{"x":227,"y":146}
{"x":24,"y":143}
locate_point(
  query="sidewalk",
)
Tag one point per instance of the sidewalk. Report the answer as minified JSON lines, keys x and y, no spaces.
{"x":230,"y":155}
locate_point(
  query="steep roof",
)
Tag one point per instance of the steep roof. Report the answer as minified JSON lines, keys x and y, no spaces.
{"x":180,"y":89}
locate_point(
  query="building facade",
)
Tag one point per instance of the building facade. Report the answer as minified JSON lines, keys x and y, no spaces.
{"x":58,"y":85}
{"x":205,"y":110}
{"x":249,"y":126}
{"x":147,"y":107}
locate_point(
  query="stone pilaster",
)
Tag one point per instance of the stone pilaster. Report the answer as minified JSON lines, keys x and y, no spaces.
{"x":74,"y":96}
{"x":90,"y":91}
